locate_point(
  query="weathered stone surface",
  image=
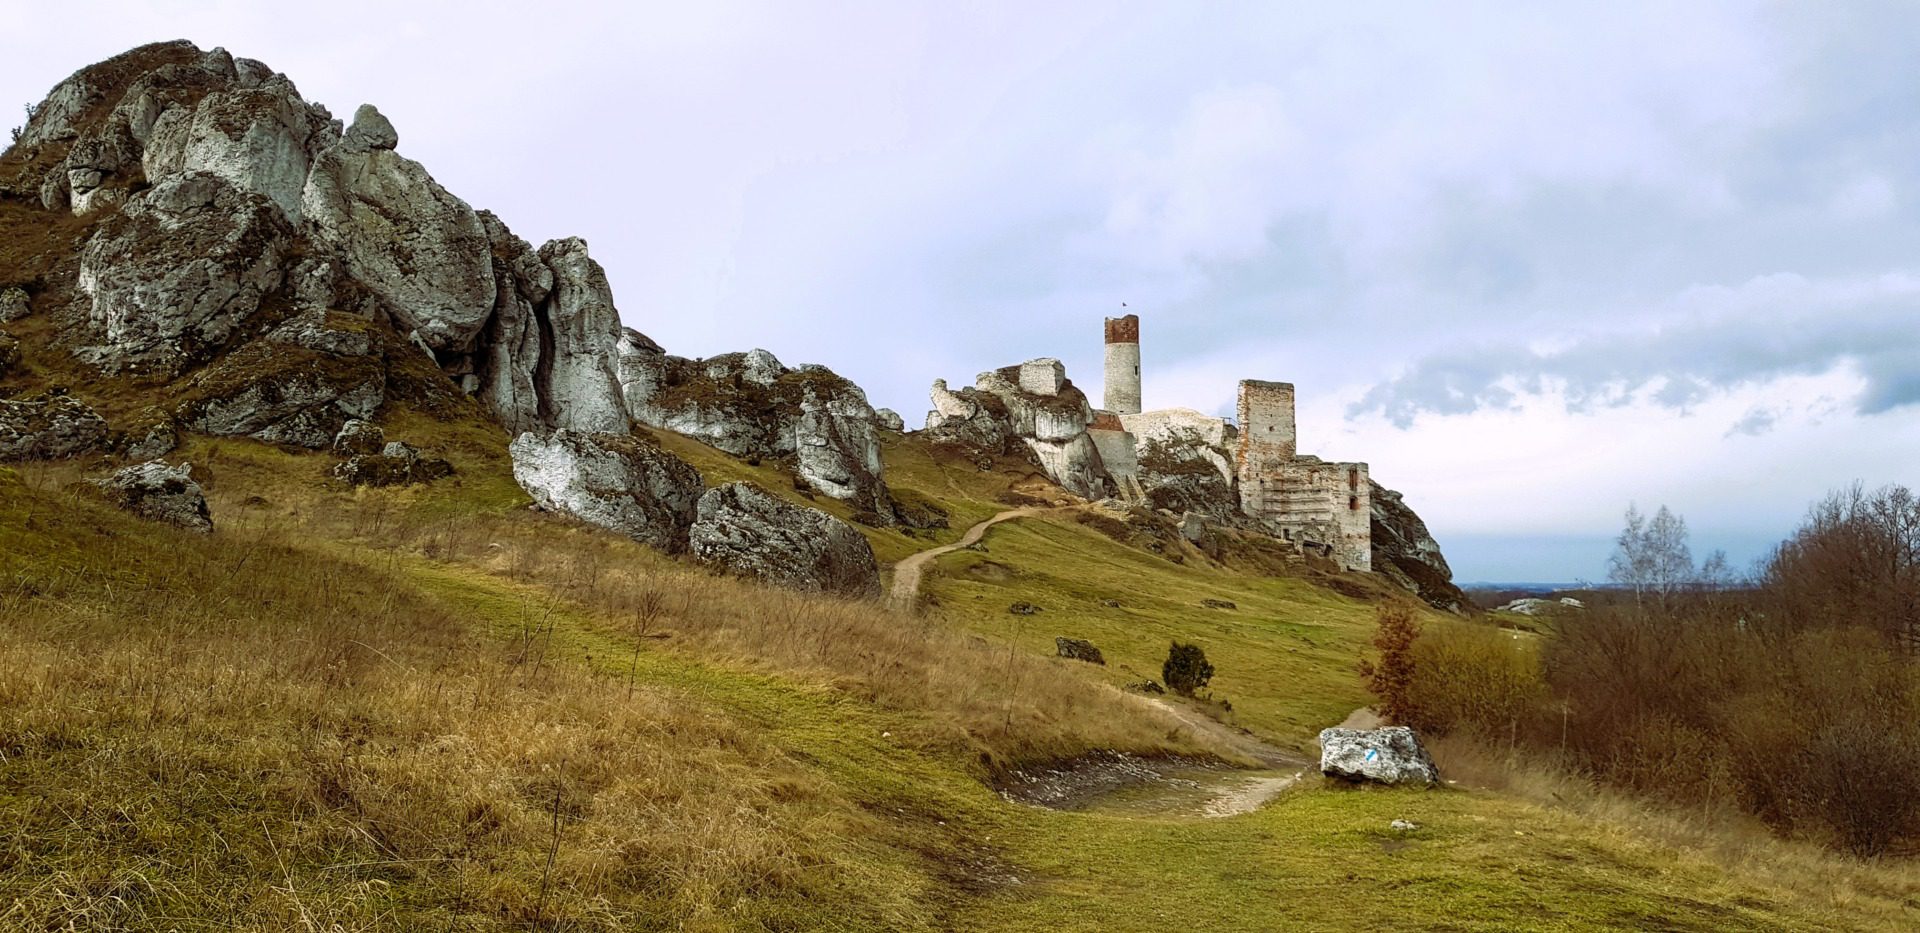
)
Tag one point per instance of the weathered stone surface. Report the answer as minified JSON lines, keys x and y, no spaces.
{"x":158,"y":492}
{"x":359,"y":437}
{"x":511,"y":380}
{"x":170,"y":278}
{"x":1078,"y":649}
{"x":1390,"y":755}
{"x":889,"y":420}
{"x":282,"y":395}
{"x":14,"y":304}
{"x":260,"y":139}
{"x":423,"y":251}
{"x":750,"y":531}
{"x":49,"y":428}
{"x":1405,"y":552}
{"x":583,"y":382}
{"x":158,"y":438}
{"x":622,"y":482}
{"x":396,"y":464}
{"x":751,"y":406}
{"x":1001,"y":406}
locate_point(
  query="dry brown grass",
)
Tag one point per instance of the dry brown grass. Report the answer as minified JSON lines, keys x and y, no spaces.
{"x":356,"y":710}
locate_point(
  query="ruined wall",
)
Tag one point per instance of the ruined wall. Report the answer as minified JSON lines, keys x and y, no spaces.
{"x":1267,"y":437}
{"x":1043,"y":376}
{"x":1306,"y":499}
{"x":1123,"y":365}
{"x":1117,"y":455}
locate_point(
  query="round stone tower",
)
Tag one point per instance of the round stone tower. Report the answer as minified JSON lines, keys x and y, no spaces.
{"x":1123,"y":365}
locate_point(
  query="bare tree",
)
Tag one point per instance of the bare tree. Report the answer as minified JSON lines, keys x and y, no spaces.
{"x":1652,"y":558}
{"x":1854,"y":561}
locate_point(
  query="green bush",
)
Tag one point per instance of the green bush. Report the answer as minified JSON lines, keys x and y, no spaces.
{"x":1186,"y":669}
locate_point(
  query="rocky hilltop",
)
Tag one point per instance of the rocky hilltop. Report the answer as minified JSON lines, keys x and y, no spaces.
{"x":237,"y":261}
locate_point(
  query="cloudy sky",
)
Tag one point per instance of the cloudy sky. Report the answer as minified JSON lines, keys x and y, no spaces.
{"x":1531,"y":261}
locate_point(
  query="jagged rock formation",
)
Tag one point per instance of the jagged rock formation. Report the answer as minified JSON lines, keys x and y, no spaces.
{"x":1035,"y":403}
{"x":752,"y":406}
{"x":178,"y":270}
{"x":49,"y":428}
{"x":1406,"y":553}
{"x":621,"y":482}
{"x":359,"y":438}
{"x":1392,"y":755}
{"x":158,"y":492}
{"x":750,"y":531}
{"x":235,"y":214}
{"x":1183,"y":473}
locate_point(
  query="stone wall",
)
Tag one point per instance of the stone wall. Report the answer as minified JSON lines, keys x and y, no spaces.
{"x":1312,"y":501}
{"x":1123,"y":364}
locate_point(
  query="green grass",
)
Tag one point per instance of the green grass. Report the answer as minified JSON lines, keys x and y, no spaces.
{"x":1284,"y":658}
{"x":157,"y":793}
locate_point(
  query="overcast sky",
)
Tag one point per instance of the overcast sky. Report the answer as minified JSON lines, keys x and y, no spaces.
{"x":1532,"y":264}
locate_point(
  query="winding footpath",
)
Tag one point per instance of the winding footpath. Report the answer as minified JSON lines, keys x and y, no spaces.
{"x":907,"y":573}
{"x":1214,"y":792}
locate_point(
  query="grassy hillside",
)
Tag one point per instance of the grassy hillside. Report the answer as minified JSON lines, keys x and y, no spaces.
{"x":431,"y":708}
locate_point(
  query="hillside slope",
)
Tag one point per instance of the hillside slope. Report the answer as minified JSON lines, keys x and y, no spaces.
{"x":429,"y":707}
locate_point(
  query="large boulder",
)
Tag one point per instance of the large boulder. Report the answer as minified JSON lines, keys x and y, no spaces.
{"x":49,"y":428}
{"x":162,"y":493}
{"x":423,"y":251}
{"x":171,"y":277}
{"x":622,"y":482}
{"x":747,"y":530}
{"x":752,"y":406}
{"x":1405,"y":552}
{"x":1390,"y":755}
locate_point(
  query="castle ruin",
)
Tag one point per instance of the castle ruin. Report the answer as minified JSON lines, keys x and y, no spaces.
{"x":1317,"y":504}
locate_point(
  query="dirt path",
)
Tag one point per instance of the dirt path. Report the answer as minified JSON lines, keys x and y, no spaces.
{"x":907,"y":573}
{"x":1121,"y":783}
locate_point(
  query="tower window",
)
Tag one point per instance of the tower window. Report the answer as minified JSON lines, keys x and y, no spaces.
{"x":1353,"y":503}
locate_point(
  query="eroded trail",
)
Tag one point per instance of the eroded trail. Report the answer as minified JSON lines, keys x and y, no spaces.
{"x":907,"y":573}
{"x":1125,"y":784}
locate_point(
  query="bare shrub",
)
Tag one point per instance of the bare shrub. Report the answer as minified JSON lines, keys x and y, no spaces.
{"x":1391,"y":677}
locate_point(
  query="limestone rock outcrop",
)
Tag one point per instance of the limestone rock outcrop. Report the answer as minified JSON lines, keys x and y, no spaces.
{"x":747,"y":530}
{"x":283,"y":395}
{"x":359,"y":437}
{"x":423,"y":251}
{"x":14,"y":304}
{"x":1183,"y":472}
{"x":1390,"y":755}
{"x":1405,"y":552}
{"x":1035,"y":403}
{"x":159,"y":492}
{"x":49,"y":428}
{"x":752,"y":406}
{"x":583,"y":381}
{"x":622,"y":482}
{"x":239,"y":212}
{"x":178,"y":270}
{"x":261,"y":139}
